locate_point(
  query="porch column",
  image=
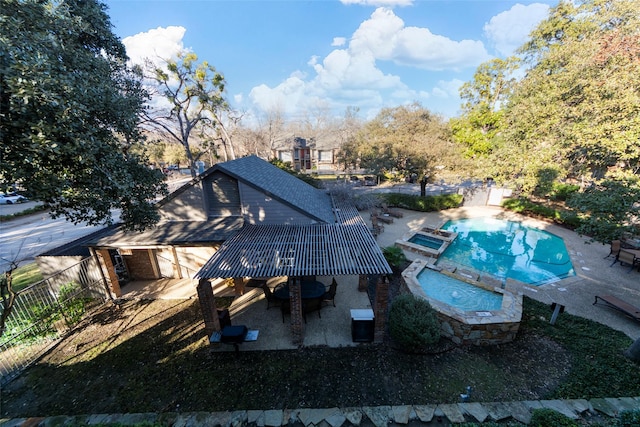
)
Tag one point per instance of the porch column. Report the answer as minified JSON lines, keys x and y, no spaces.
{"x":112,"y":278}
{"x":177,"y":270}
{"x":380,"y":308}
{"x":238,"y":285}
{"x":208,"y":307}
{"x":297,"y":321}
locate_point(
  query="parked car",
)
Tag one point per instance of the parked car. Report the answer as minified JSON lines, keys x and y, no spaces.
{"x":11,"y":198}
{"x":369,"y":180}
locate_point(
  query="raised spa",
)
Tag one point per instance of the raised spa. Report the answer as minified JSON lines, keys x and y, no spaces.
{"x":470,"y":311}
{"x":430,"y":242}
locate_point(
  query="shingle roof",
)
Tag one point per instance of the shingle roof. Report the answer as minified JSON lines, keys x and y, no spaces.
{"x":172,"y":233}
{"x":280,"y":185}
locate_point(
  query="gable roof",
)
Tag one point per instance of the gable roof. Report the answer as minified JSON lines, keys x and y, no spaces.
{"x":281,"y":185}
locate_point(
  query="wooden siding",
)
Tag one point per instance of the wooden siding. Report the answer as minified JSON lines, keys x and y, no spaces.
{"x":188,"y":206}
{"x":222,"y":195}
{"x":260,"y":208}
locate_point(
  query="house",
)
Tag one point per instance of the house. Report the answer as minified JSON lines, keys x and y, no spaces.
{"x":238,"y":220}
{"x":317,"y":154}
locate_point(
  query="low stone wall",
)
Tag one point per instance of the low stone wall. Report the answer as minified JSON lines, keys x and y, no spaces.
{"x":470,"y":327}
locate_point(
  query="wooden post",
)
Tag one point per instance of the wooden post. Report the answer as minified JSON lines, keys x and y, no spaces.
{"x":238,"y":285}
{"x":105,"y":259}
{"x":208,"y":307}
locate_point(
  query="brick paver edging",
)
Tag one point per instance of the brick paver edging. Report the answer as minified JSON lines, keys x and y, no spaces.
{"x":378,"y":416}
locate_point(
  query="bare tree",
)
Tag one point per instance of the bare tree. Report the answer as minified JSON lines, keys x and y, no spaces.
{"x":194,"y":101}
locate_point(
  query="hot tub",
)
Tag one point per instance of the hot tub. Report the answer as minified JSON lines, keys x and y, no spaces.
{"x":490,"y":315}
{"x":428,"y":241}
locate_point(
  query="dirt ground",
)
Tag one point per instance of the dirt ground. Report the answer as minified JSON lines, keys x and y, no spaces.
{"x":153,"y":356}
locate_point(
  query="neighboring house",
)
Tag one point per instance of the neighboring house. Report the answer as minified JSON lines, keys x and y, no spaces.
{"x":309,"y":155}
{"x":240,"y":219}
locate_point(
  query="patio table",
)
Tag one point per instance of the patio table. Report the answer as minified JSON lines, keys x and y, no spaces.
{"x":308,"y":290}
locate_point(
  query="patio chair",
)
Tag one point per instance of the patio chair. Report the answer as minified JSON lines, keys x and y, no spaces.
{"x":309,"y":305}
{"x":268,"y":295}
{"x":330,"y":295}
{"x":618,"y":304}
{"x":626,"y":257}
{"x":615,"y":248}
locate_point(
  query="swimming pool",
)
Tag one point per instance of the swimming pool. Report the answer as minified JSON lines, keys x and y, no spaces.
{"x":508,"y":249}
{"x":457,"y":293}
{"x":428,"y":241}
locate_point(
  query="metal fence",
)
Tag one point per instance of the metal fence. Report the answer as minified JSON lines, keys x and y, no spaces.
{"x":45,"y":312}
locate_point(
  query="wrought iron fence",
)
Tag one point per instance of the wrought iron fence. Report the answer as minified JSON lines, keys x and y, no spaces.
{"x":44,"y":312}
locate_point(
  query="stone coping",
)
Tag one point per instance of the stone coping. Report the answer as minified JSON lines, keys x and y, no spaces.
{"x":510,"y":312}
{"x":595,"y":410}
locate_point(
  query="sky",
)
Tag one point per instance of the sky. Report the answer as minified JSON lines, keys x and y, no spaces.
{"x":303,"y":58}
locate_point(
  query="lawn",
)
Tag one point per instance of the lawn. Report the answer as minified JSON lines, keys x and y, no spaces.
{"x":152,"y":356}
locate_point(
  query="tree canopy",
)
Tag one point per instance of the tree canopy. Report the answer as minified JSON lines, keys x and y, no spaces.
{"x":69,"y":110}
{"x":406,"y":141}
{"x":193,"y":92}
{"x":576,"y":113}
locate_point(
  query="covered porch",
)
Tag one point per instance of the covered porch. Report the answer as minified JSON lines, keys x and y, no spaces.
{"x":342,"y":250}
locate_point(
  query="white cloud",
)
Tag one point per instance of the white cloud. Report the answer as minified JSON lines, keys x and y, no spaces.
{"x":351,"y":75}
{"x":386,"y":37}
{"x":339,"y":41}
{"x":159,"y":43}
{"x":509,"y":30}
{"x":389,"y":3}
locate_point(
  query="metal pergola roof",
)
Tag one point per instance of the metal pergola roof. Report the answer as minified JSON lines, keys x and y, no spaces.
{"x":344,"y":248}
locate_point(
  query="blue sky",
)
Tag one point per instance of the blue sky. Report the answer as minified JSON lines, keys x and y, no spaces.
{"x":300,"y":58}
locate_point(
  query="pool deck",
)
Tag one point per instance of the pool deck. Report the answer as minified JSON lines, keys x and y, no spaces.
{"x":594,"y":273}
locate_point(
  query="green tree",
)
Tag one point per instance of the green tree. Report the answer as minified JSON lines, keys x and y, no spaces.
{"x":69,"y":111}
{"x":405,"y":141}
{"x":195,"y":92}
{"x":482,"y":111}
{"x":575,"y":114}
{"x":607,"y":209}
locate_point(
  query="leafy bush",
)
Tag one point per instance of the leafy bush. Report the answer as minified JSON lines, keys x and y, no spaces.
{"x":527,"y":207}
{"x":562,"y":191}
{"x":548,"y":417}
{"x":423,"y":204}
{"x":413,"y":324}
{"x":394,"y":256}
{"x":72,"y":303}
{"x":630,"y":418}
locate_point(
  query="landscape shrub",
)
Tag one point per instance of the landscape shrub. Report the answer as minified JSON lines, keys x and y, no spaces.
{"x":525,"y":206}
{"x":548,"y":417}
{"x":561,"y":191}
{"x":413,"y":323}
{"x":630,"y":418}
{"x":423,"y":204}
{"x":394,"y":256}
{"x":72,"y":303}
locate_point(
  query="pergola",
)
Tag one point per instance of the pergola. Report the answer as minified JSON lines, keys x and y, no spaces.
{"x":346,"y":247}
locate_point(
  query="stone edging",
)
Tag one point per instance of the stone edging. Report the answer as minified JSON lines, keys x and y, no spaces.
{"x":378,"y":416}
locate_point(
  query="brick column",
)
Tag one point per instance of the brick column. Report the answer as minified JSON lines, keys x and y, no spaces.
{"x":208,"y":307}
{"x":380,"y":308}
{"x":297,"y":321}
{"x":112,"y":278}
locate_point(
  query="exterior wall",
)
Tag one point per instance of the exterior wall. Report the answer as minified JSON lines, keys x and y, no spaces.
{"x":259,"y":208}
{"x":188,"y":206}
{"x":191,"y":259}
{"x":51,"y":265}
{"x":140,"y":265}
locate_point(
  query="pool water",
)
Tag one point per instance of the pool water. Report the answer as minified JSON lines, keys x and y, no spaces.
{"x":508,"y":249}
{"x":427,"y":241}
{"x":457,"y":293}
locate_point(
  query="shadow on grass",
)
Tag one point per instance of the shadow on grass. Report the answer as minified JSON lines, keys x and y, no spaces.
{"x":153,"y":356}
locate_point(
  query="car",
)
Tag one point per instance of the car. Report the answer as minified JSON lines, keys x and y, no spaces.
{"x":11,"y":198}
{"x":369,"y":180}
